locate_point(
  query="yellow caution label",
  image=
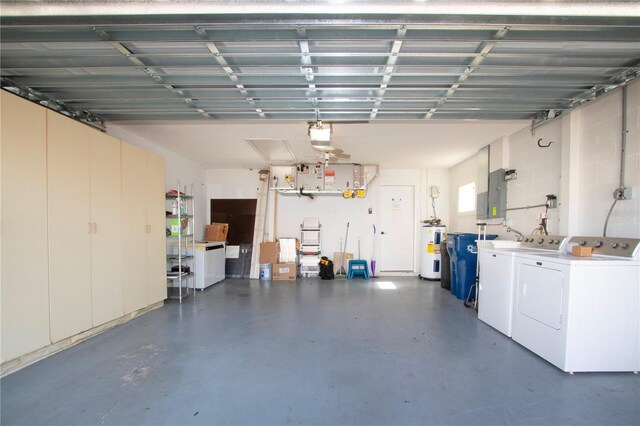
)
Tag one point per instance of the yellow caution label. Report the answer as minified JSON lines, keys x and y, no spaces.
{"x":494,"y":211}
{"x":430,"y":248}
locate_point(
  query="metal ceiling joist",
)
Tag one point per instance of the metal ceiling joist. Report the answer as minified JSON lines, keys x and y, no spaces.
{"x":483,"y":50}
{"x":389,"y":68}
{"x":307,"y":69}
{"x":225,"y":66}
{"x":153,"y":72}
{"x":18,"y":52}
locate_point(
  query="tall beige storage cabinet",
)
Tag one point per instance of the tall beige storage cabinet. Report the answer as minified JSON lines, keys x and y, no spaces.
{"x":106,"y":229}
{"x":83,"y":231}
{"x":23,"y":269}
{"x":70,"y":225}
{"x":156,"y":237}
{"x":143,"y":224}
{"x":134,"y":227}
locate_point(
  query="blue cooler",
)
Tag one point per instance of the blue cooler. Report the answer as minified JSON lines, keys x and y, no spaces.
{"x":463,"y":251}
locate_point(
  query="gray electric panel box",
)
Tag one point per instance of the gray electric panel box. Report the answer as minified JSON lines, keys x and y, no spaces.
{"x":497,"y":207}
{"x":482,"y":207}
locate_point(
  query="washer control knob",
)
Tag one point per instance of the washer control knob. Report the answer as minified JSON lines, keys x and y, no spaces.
{"x":597,"y":243}
{"x":624,"y":246}
{"x":583,"y":243}
{"x":556,"y":241}
{"x":614,"y":245}
{"x":540,"y":240}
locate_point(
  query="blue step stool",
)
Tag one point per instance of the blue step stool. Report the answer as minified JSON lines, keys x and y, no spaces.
{"x":358,"y":267}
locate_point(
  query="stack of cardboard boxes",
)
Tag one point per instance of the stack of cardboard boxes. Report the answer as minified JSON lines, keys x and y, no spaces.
{"x":282,"y":255}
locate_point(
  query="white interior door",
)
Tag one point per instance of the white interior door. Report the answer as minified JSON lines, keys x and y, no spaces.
{"x":397,"y":228}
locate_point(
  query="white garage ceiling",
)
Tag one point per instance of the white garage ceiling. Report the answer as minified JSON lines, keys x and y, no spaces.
{"x":399,"y":144}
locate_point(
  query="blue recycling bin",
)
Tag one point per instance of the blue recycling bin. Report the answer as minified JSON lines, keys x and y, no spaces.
{"x":463,"y":251}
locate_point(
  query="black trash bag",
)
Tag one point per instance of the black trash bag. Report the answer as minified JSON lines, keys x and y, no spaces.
{"x":326,"y":268}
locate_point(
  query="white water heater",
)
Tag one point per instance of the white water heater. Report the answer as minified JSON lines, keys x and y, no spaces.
{"x":430,"y":259}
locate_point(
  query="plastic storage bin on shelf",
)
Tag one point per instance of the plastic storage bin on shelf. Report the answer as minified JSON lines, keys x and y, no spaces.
{"x":463,"y":250}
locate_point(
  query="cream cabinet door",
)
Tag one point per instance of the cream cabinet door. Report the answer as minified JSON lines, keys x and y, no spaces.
{"x":106,"y":222}
{"x":68,"y":174}
{"x":134,"y":228}
{"x":24,"y":268}
{"x":156,"y":238}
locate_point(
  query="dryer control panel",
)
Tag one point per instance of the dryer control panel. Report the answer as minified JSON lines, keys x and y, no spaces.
{"x":549,"y":242}
{"x":609,"y":246}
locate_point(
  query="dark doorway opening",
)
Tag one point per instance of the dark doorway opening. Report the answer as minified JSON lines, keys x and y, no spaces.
{"x":240,"y":214}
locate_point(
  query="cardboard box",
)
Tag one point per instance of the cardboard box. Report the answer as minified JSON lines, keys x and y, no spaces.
{"x":269,"y":252}
{"x":284,"y":271}
{"x":581,"y":251}
{"x":216,"y":232}
{"x":337,"y":261}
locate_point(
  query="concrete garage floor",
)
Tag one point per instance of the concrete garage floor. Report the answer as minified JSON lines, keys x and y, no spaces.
{"x":340,"y":352}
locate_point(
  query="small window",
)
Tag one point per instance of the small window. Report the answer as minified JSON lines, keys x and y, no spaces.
{"x":467,"y":198}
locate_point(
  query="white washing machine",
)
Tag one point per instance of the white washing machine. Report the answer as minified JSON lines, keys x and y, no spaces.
{"x":430,"y":257}
{"x":496,"y":285}
{"x":581,"y":313}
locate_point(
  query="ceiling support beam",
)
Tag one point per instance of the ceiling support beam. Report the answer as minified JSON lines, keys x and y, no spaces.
{"x":307,"y":66}
{"x":230,"y":73}
{"x":153,"y":72}
{"x":389,"y":68}
{"x":484,"y":49}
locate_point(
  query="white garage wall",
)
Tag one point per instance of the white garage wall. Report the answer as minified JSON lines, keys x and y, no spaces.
{"x":583,"y":173}
{"x":176,"y":167}
{"x":539,"y":171}
{"x":600,"y":141}
{"x":462,"y":174}
{"x":439,"y":178}
{"x":231,"y":183}
{"x":333,"y":211}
